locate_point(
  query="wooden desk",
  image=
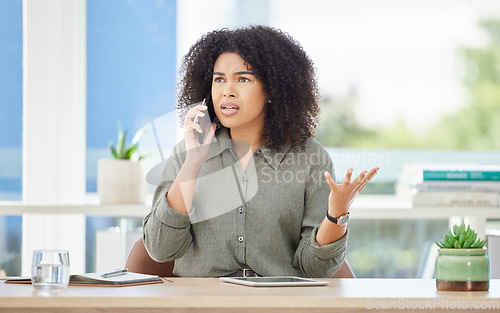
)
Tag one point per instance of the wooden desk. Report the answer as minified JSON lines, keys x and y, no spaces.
{"x":213,"y":295}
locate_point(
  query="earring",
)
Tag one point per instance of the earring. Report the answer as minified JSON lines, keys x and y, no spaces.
{"x":269,"y":101}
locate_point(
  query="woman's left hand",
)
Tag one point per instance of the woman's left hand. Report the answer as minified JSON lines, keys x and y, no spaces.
{"x":342,"y":195}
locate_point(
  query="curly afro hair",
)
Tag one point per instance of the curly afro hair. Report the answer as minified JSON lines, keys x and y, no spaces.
{"x":287,"y":73}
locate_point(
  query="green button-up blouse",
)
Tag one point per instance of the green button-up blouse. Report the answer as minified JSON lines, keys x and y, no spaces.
{"x":264,"y":217}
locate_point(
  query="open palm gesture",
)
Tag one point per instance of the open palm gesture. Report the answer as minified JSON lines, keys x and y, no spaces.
{"x":342,"y":195}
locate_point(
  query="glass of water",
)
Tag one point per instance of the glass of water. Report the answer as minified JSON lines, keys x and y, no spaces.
{"x":50,"y":269}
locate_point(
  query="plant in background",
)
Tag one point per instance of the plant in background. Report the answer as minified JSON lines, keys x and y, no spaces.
{"x":122,"y":151}
{"x":460,"y":238}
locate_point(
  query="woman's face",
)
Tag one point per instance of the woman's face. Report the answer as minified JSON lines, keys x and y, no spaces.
{"x":238,"y":96}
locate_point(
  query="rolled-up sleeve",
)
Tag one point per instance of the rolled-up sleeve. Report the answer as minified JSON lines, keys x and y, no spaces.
{"x":314,"y":260}
{"x":167,"y":233}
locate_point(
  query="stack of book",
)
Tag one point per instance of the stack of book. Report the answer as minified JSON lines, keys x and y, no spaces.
{"x":478,"y":186}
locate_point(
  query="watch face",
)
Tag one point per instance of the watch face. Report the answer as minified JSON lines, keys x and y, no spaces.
{"x":343,"y":220}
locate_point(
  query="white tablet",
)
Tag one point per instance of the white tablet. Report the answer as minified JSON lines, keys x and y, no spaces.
{"x":274,"y":281}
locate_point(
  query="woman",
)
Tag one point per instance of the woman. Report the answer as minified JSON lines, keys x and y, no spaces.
{"x":253,"y":196}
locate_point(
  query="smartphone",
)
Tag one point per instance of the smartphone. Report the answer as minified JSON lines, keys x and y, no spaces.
{"x":205,"y":124}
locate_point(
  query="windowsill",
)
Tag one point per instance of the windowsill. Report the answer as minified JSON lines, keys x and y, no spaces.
{"x":91,"y":207}
{"x":364,"y":207}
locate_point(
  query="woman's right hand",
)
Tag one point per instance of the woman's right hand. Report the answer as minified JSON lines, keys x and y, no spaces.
{"x":196,"y":152}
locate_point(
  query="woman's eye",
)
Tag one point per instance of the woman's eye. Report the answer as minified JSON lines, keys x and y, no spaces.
{"x":244,"y":79}
{"x":218,"y":79}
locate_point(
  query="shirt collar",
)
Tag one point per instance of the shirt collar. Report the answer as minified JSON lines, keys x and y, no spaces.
{"x":273,"y":157}
{"x":220,"y":143}
{"x":223,"y":141}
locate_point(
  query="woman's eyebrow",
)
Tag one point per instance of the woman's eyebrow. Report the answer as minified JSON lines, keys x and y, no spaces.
{"x":244,"y":73}
{"x":237,"y":73}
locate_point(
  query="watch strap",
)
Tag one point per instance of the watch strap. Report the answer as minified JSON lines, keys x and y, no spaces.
{"x":332,"y":219}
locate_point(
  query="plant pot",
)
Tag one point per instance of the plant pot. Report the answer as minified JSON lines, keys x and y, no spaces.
{"x":120,"y":181}
{"x":462,"y":270}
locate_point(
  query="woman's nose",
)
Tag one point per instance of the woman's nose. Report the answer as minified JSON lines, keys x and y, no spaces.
{"x":229,"y":91}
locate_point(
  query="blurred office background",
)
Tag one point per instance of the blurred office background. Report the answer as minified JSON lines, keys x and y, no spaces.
{"x":401,"y":82}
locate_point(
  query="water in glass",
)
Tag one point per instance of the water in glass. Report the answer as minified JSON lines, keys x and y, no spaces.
{"x":50,"y":269}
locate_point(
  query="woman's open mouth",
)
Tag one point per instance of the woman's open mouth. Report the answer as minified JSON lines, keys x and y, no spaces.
{"x":229,"y":109}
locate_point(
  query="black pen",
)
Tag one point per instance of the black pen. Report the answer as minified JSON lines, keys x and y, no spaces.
{"x":117,"y":272}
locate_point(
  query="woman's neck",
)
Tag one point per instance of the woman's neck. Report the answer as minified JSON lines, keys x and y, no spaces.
{"x":246,"y":140}
{"x":245,"y":143}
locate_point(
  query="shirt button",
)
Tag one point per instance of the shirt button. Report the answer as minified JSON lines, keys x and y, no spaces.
{"x":240,"y":239}
{"x":243,"y":180}
{"x":241,"y":209}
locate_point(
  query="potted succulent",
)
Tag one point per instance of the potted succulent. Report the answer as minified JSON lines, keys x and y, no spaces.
{"x":121,"y":179}
{"x":462,"y":263}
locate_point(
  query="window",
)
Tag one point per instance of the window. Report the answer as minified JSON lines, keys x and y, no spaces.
{"x":398,"y":92}
{"x":395,"y":91}
{"x":11,"y":124}
{"x":11,"y":89}
{"x":131,"y":79}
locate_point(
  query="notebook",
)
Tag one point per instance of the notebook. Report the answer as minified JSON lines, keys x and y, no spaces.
{"x":95,"y":279}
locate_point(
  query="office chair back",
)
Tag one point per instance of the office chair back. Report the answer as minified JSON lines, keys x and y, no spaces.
{"x":139,"y":261}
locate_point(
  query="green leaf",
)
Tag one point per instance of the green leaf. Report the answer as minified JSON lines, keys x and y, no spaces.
{"x":445,"y":244}
{"x":112,"y":149}
{"x":450,"y":235}
{"x":474,"y":237}
{"x":478,"y":244}
{"x":451,"y":242}
{"x":131,"y":150}
{"x":468,"y":233}
{"x":462,"y":228}
{"x":120,"y":146}
{"x":460,"y":236}
{"x":122,"y":151}
{"x":461,"y":239}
